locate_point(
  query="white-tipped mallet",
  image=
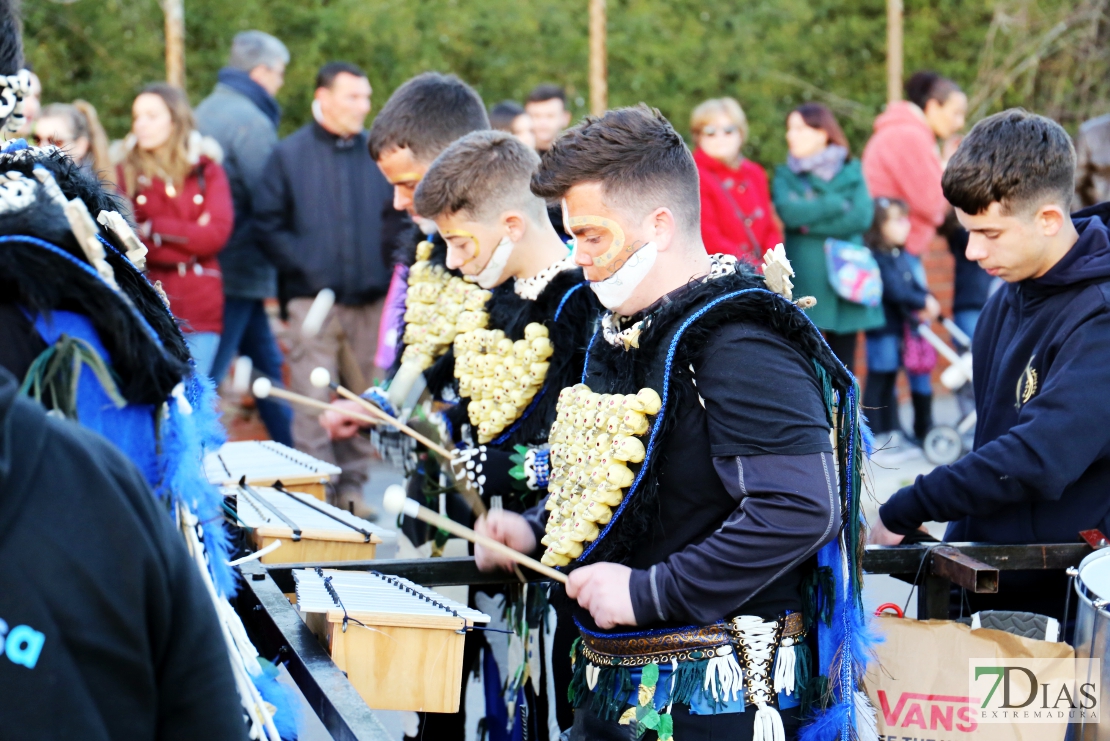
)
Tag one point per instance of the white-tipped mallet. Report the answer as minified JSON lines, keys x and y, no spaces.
{"x":397,"y":501}
{"x":318,"y":313}
{"x":321,"y":378}
{"x":263,"y":387}
{"x":241,"y":374}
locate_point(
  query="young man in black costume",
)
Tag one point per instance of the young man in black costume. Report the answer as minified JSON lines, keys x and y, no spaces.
{"x":499,"y":236}
{"x":736,"y":488}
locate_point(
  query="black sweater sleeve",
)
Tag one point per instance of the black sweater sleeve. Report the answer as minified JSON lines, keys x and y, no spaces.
{"x":787,"y":510}
{"x":769,"y":438}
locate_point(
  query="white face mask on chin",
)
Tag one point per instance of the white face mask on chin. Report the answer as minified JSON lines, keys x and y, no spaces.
{"x":618,"y":287}
{"x":490,"y":275}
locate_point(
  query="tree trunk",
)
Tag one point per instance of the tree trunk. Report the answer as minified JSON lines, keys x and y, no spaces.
{"x":599,"y":76}
{"x":174,"y":11}
{"x":893,"y":50}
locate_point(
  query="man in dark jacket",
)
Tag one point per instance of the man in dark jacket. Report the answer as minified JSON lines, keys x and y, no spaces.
{"x":1040,"y":469}
{"x":242,"y":115}
{"x":107,"y":630}
{"x":326,"y":216}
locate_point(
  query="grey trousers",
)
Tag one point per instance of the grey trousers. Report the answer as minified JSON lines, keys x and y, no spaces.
{"x":345,"y":345}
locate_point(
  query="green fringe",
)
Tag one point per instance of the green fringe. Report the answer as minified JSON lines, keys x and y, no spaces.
{"x":853,"y":489}
{"x":610,"y":697}
{"x":848,"y":429}
{"x":818,"y":597}
{"x":828,"y":393}
{"x":578,"y":691}
{"x":688,"y":680}
{"x":803,"y":674}
{"x":56,"y":373}
{"x":816,"y":696}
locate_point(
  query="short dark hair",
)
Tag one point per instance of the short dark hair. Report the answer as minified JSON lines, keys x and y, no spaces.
{"x":547,"y":91}
{"x":818,"y":116}
{"x":483,"y":174}
{"x":426,"y":114}
{"x":327,"y":74}
{"x":1015,"y":157}
{"x":927,"y":85}
{"x":636,"y":155}
{"x":502,"y":115}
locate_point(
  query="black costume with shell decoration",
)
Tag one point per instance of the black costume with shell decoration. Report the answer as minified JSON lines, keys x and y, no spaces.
{"x":610,"y":447}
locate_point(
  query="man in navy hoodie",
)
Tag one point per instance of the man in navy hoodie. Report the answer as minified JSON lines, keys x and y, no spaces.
{"x":1040,"y":468}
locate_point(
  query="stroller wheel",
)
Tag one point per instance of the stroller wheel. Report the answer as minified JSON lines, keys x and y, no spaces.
{"x":943,"y":445}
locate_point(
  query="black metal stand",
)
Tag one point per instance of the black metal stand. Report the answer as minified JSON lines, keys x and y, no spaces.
{"x":277,"y":629}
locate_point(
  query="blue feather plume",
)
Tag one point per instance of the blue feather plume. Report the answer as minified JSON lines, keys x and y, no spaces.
{"x":189,"y":430}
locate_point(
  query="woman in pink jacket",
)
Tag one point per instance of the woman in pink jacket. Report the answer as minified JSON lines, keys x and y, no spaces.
{"x":902,"y":159}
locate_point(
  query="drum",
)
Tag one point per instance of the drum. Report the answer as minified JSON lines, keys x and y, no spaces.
{"x":1092,"y":630}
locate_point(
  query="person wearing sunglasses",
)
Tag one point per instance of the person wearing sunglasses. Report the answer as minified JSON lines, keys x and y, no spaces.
{"x":76,"y":129}
{"x":737,"y":216}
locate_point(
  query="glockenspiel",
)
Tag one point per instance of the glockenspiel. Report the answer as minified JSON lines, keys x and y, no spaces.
{"x":265,"y":462}
{"x":400,"y":644}
{"x":310,"y":531}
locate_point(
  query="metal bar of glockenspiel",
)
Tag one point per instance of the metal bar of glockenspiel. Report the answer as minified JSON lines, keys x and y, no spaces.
{"x":365,"y":533}
{"x":277,"y":630}
{"x":246,"y":488}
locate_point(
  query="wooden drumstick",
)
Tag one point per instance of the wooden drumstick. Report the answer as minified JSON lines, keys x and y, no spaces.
{"x":321,"y":378}
{"x":397,"y":502}
{"x":264,"y":387}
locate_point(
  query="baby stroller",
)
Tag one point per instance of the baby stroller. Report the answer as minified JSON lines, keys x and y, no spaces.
{"x":944,"y":444}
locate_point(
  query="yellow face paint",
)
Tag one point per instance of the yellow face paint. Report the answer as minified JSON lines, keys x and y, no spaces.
{"x":617,"y":254}
{"x":445,"y":233}
{"x":409,"y":179}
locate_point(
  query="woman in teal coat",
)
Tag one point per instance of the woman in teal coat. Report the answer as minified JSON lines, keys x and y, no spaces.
{"x":820,"y":193}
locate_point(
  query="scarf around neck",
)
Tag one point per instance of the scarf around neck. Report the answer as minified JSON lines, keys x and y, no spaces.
{"x":241,"y":82}
{"x":825,"y":164}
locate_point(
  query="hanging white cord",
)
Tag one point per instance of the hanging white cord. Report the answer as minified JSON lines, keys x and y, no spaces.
{"x":249,"y":695}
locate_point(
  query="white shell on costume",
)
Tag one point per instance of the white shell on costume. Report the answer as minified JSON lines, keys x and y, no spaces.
{"x":592,"y":439}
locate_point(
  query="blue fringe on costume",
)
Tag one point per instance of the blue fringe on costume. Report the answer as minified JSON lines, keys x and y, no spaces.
{"x":847,"y":642}
{"x":190,"y":429}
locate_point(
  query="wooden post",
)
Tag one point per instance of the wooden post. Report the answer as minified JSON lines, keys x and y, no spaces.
{"x":174,"y":10}
{"x":599,"y":82}
{"x":893,"y":50}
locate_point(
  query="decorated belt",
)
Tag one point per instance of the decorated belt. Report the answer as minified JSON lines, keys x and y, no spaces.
{"x":682,"y":644}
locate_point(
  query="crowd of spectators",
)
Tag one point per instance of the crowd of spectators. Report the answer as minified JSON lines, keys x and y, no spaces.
{"x":242,"y":226}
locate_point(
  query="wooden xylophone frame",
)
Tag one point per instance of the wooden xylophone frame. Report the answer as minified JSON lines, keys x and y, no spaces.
{"x":278,"y":631}
{"x":312,"y":545}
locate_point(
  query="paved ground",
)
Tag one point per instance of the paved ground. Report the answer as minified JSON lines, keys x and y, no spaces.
{"x":884,"y":475}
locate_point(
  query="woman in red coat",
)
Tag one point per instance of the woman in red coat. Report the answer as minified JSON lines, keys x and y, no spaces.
{"x":737,"y":217}
{"x":181,"y":201}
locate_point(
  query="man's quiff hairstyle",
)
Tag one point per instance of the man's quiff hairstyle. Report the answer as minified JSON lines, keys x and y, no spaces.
{"x":482,"y":175}
{"x":1017,"y":158}
{"x":638,"y":158}
{"x":426,"y":114}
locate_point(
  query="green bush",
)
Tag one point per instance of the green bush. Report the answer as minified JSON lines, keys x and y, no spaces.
{"x":769,"y":54}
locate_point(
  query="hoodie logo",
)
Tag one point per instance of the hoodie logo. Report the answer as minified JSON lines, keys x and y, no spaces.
{"x":1027,"y":384}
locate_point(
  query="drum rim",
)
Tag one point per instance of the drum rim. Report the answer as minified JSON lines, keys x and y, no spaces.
{"x":1081,"y":589}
